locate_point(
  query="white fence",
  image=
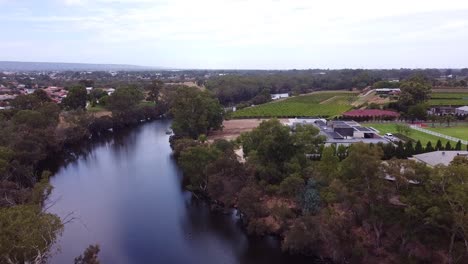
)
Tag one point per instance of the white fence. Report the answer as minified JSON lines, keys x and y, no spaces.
{"x":464,"y":142}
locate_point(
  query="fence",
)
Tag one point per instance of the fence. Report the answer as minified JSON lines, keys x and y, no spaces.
{"x":464,"y":142}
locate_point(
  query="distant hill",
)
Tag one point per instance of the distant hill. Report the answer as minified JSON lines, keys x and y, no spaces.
{"x":61,"y":66}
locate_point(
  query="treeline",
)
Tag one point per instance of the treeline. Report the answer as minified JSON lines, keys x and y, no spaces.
{"x":233,"y":89}
{"x":348,"y":205}
{"x":33,"y":130}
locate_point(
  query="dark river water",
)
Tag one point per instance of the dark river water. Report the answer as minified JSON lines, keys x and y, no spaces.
{"x":126,"y":196}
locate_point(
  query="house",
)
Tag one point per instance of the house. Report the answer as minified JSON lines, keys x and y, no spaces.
{"x":439,"y":157}
{"x":109,"y":91}
{"x":462,"y":110}
{"x":279,"y":96}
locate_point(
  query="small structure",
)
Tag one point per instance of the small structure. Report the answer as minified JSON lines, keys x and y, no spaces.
{"x":371,"y":114}
{"x":388,"y":91}
{"x":462,"y":111}
{"x":279,"y":96}
{"x":439,"y":157}
{"x":441,"y":110}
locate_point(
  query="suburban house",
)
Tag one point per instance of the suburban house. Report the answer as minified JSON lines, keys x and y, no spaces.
{"x":440,"y":157}
{"x":462,"y":110}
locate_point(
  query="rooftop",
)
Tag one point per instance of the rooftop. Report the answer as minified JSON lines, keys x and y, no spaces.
{"x":439,"y":157}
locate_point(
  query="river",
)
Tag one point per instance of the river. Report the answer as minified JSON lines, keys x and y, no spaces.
{"x":125,"y":194}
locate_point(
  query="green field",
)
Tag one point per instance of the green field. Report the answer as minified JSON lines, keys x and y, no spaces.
{"x":459,"y":131}
{"x":453,"y":99}
{"x":415,"y":135}
{"x":321,"y":104}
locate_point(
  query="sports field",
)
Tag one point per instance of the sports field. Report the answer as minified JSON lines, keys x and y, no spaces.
{"x":415,"y":135}
{"x":319,"y":104}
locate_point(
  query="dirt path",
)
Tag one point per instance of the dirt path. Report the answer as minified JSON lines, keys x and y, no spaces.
{"x":328,"y":100}
{"x":233,"y":128}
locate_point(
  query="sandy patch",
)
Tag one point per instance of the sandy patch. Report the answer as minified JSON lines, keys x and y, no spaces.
{"x":233,"y":128}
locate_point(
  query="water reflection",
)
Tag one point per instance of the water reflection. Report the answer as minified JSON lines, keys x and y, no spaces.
{"x":126,"y":192}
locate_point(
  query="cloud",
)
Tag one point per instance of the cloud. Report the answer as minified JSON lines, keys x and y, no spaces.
{"x":217,"y":29}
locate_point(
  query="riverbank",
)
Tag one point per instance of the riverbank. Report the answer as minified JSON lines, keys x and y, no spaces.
{"x":127,"y":195}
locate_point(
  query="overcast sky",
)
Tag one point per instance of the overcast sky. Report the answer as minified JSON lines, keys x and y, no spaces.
{"x":261,"y":34}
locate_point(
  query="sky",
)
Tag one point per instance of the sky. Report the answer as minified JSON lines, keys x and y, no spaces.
{"x":238,"y":34}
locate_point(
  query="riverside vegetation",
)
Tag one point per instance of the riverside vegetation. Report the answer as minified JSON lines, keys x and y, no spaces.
{"x":37,"y":129}
{"x":337,"y":205}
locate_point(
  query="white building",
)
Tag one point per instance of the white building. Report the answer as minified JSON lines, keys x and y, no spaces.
{"x":462,"y":110}
{"x":279,"y":96}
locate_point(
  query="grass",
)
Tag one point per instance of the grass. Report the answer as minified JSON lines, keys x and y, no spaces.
{"x":323,"y":104}
{"x":415,"y":135}
{"x":459,"y":131}
{"x":147,"y":103}
{"x":95,"y":109}
{"x":454,"y":99}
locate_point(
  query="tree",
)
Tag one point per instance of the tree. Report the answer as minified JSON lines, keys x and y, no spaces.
{"x":90,"y":256}
{"x":309,"y":199}
{"x":124,"y":99}
{"x":418,"y":149}
{"x":154,"y":90}
{"x":448,"y":146}
{"x":417,"y":112}
{"x":439,"y":145}
{"x":76,"y":98}
{"x":409,"y":149}
{"x":195,"y":112}
{"x":448,"y":119}
{"x":26,"y":102}
{"x":429,"y":147}
{"x":414,"y":91}
{"x":194,"y":162}
{"x":27,"y":234}
{"x":433,"y":119}
{"x":400,"y":150}
{"x":291,"y":186}
{"x":328,"y":167}
{"x":306,"y":137}
{"x":458,"y":146}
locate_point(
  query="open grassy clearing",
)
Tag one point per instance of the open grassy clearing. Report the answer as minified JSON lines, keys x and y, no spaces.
{"x":323,"y":104}
{"x":459,"y":131}
{"x":415,"y":135}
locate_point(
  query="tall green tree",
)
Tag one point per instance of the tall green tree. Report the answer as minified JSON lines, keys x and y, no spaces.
{"x":76,"y":98}
{"x":414,"y":91}
{"x":154,"y":90}
{"x":195,"y":112}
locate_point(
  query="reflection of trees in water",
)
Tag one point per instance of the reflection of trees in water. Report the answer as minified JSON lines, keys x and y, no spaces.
{"x":200,"y":224}
{"x":121,"y":141}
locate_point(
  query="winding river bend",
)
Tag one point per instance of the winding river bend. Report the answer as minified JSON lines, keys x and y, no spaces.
{"x":127,"y":197}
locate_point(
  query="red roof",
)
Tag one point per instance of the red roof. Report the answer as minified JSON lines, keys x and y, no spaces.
{"x":371,"y":112}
